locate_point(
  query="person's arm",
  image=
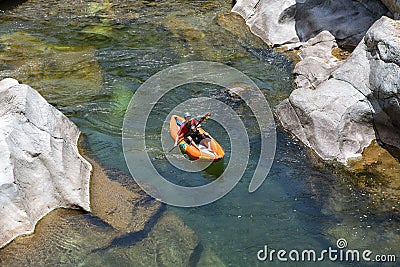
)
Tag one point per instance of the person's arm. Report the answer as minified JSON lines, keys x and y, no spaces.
{"x":179,"y":134}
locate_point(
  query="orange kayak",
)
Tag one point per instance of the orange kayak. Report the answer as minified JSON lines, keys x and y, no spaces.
{"x":194,"y":153}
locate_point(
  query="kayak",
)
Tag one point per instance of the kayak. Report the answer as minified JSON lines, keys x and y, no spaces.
{"x":194,"y":153}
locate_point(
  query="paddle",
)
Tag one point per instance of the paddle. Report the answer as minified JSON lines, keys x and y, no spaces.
{"x":169,"y":151}
{"x":175,"y":145}
{"x":205,"y":117}
{"x":202,"y":119}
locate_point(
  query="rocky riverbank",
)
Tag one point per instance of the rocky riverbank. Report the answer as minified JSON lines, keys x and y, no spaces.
{"x":352,"y":102}
{"x":339,"y":105}
{"x":293,"y":22}
{"x":346,"y":103}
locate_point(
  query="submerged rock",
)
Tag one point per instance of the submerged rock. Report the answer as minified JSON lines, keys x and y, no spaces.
{"x":127,"y":209}
{"x":40,"y":166}
{"x":125,"y":226}
{"x":71,"y":238}
{"x":63,"y":74}
{"x":170,"y":243}
{"x":209,"y":258}
{"x":378,"y":174}
{"x":63,"y":237}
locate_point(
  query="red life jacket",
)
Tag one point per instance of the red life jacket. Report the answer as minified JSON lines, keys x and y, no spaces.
{"x":184,"y":129}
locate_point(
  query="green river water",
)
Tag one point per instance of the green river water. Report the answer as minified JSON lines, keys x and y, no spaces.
{"x":87,"y":58}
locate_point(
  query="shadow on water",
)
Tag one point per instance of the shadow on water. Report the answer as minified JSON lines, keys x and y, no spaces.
{"x":130,"y":239}
{"x":10,"y":4}
{"x":196,"y":255}
{"x":216,"y":168}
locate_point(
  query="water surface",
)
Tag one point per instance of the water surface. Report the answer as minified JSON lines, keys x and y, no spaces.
{"x":88,"y":58}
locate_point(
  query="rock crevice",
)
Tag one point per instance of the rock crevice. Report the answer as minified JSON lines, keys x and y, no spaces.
{"x":293,"y":22}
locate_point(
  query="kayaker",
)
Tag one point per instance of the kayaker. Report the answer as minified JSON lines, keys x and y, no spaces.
{"x":189,"y":131}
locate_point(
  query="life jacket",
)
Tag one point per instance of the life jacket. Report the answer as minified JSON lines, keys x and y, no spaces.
{"x":185,"y":129}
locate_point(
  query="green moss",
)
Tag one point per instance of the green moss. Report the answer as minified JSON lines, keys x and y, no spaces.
{"x":99,"y":30}
{"x":120,"y":99}
{"x":59,"y":73}
{"x":377,"y":167}
{"x":209,"y":258}
{"x":340,"y":53}
{"x":95,"y":7}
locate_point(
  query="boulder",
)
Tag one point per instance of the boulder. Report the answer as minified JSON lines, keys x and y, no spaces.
{"x":359,"y":101}
{"x":40,"y":166}
{"x":271,"y":20}
{"x":383,"y":52}
{"x":316,"y":61}
{"x":334,"y":119}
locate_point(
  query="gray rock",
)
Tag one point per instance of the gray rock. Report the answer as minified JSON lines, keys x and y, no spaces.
{"x":359,"y":102}
{"x":317,"y":61}
{"x":355,"y":70}
{"x":336,"y":105}
{"x":383,"y":51}
{"x":347,"y":20}
{"x":40,"y":166}
{"x":324,"y":119}
{"x":271,"y":20}
{"x":316,"y":66}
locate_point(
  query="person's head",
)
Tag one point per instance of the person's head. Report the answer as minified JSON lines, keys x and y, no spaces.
{"x":187,"y":116}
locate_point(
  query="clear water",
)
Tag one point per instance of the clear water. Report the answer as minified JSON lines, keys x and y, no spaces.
{"x":88,"y":58}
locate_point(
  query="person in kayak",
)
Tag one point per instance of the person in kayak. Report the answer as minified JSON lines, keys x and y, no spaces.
{"x":191,"y":134}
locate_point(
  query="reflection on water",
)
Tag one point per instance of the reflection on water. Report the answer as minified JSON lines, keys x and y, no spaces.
{"x":88,"y":57}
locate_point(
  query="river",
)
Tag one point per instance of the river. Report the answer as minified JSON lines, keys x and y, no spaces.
{"x":88,"y":58}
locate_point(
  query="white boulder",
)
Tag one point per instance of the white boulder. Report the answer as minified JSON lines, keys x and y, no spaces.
{"x":40,"y":166}
{"x":316,"y":61}
{"x":271,"y":20}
